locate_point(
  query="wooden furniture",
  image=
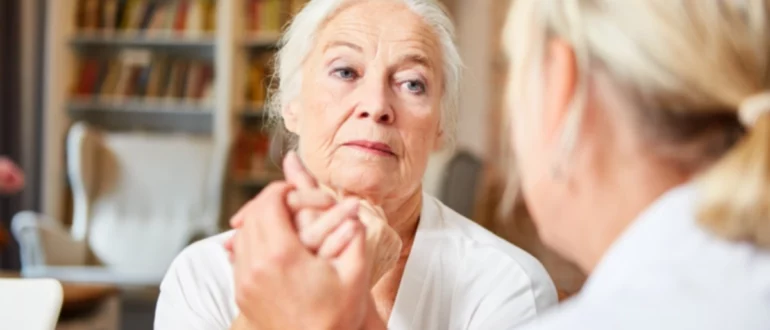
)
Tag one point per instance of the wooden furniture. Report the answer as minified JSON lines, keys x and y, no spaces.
{"x":229,"y":35}
{"x":77,"y":297}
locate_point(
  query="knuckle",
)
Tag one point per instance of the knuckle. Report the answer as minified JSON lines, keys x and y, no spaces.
{"x":280,"y":258}
{"x":254,"y":270}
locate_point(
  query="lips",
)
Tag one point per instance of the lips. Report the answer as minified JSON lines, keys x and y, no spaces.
{"x":372,"y":146}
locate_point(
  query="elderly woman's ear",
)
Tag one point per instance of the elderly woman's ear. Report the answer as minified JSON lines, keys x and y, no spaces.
{"x":290,"y":114}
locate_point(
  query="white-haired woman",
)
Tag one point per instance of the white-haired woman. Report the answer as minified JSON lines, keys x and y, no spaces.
{"x":369,"y":89}
{"x":641,"y":130}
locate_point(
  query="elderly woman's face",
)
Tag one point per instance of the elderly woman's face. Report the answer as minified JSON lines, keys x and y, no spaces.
{"x":369,"y":109}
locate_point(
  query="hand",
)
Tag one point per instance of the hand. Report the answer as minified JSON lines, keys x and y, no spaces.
{"x":322,"y":232}
{"x":279,"y":284}
{"x":11,"y":177}
{"x":383,"y":244}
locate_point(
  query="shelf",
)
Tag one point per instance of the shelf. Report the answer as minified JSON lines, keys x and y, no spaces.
{"x":257,"y":181}
{"x":138,"y":39}
{"x":142,"y":107}
{"x":262,"y":40}
{"x":253,"y":112}
{"x":154,"y":116}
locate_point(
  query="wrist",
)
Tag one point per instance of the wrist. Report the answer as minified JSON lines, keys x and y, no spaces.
{"x":372,"y":319}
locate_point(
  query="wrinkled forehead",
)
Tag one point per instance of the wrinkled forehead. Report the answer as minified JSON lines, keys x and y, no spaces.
{"x":374,"y":26}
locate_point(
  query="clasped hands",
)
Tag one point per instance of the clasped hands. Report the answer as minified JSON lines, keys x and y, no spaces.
{"x":305,"y":256}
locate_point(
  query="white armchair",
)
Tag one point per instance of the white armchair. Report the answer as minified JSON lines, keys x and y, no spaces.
{"x":139,"y":199}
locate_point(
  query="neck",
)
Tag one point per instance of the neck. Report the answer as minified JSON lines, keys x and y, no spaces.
{"x":629,"y":194}
{"x":403,"y":215}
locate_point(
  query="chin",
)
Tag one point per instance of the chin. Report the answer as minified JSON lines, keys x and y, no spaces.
{"x":363,"y":182}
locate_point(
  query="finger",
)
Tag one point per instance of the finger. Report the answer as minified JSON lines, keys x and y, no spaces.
{"x":352,"y":263}
{"x":313,"y":235}
{"x":333,"y":245}
{"x":314,"y":198}
{"x":305,"y":218}
{"x":296,"y":173}
{"x":272,"y":220}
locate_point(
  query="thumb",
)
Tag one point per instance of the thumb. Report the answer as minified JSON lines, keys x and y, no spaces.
{"x":352,"y":263}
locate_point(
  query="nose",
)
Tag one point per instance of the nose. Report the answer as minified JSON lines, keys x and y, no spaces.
{"x":375,"y":103}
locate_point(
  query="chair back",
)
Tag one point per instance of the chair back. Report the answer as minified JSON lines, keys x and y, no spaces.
{"x":139,"y":198}
{"x":30,"y":304}
{"x":460,"y":183}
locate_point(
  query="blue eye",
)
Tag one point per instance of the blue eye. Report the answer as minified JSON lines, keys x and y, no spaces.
{"x":345,"y":73}
{"x":415,"y":87}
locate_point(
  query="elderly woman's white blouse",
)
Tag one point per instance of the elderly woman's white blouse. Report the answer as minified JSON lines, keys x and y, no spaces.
{"x":666,"y":272}
{"x":458,"y":276}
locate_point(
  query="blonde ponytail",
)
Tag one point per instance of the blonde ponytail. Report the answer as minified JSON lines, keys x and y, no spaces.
{"x":735,"y":192}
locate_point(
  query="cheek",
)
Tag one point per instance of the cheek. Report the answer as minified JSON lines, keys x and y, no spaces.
{"x":322,"y":112}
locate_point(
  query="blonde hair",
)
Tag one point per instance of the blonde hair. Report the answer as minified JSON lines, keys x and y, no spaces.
{"x":688,"y":66}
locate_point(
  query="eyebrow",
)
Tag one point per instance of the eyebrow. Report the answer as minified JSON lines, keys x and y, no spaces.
{"x":340,"y":43}
{"x":416,"y":58}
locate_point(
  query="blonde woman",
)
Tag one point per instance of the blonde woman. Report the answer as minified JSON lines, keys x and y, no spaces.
{"x":641,"y":130}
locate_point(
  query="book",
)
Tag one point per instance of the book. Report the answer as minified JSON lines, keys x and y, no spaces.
{"x":185,"y":17}
{"x":194,"y":20}
{"x":119,"y":13}
{"x":109,"y":14}
{"x":271,"y":16}
{"x":111,"y":80}
{"x":149,"y":12}
{"x":89,"y":15}
{"x":180,"y":19}
{"x":209,"y":15}
{"x":154,"y":81}
{"x":143,"y":75}
{"x":129,"y":7}
{"x":157,"y":23}
{"x":89,"y":74}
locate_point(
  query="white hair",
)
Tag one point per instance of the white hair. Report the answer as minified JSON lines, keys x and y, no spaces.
{"x":299,"y":38}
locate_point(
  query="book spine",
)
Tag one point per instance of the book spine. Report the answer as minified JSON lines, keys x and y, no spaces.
{"x":120,"y":12}
{"x":147,"y":16}
{"x":181,"y":15}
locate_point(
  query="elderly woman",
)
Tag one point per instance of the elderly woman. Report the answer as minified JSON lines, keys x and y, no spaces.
{"x":369,"y":88}
{"x":641,"y":130}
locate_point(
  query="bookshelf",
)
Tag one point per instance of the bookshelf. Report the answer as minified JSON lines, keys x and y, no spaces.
{"x":192,"y":66}
{"x":136,"y":40}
